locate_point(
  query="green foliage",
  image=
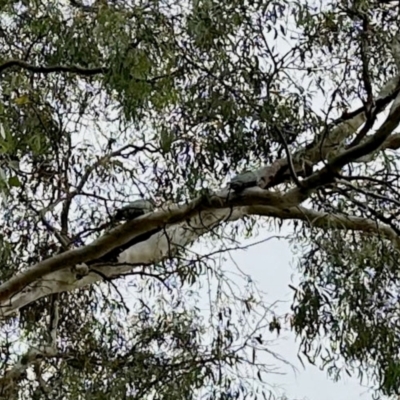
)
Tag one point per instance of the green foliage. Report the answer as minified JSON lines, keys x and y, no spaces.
{"x":349,"y":289}
{"x":349,"y":296}
{"x":103,"y":101}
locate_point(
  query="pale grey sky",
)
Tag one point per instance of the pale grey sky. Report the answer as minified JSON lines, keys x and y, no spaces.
{"x":270,"y":264}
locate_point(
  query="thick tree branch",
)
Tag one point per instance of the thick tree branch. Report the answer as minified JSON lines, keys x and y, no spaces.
{"x":167,"y":242}
{"x":329,"y":145}
{"x":141,"y":253}
{"x":138,"y":227}
{"x":327,"y":174}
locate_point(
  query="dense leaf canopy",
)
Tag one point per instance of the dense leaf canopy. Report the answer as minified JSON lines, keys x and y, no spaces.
{"x":105,"y":102}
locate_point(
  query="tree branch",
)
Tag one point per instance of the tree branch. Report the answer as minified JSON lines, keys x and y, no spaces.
{"x":327,"y":146}
{"x":74,"y":69}
{"x":216,"y":208}
{"x":167,"y":242}
{"x":328,"y":173}
{"x":327,"y":221}
{"x":89,"y":170}
{"x":133,"y":229}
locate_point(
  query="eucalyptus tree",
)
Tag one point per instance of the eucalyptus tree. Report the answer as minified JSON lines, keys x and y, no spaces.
{"x":223,"y":118}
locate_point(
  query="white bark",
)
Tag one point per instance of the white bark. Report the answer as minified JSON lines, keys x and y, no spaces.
{"x":158,"y":247}
{"x":165,"y":244}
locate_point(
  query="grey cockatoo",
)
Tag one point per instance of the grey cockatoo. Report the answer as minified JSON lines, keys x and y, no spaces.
{"x":245,"y":180}
{"x":134,"y":210}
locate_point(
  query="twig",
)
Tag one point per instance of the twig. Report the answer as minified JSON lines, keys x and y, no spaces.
{"x":86,"y":176}
{"x":107,"y":279}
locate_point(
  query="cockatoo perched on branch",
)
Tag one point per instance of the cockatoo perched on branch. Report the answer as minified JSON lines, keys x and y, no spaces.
{"x":245,"y":180}
{"x":134,"y":210}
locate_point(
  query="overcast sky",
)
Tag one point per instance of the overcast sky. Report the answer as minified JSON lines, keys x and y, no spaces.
{"x":272,"y":265}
